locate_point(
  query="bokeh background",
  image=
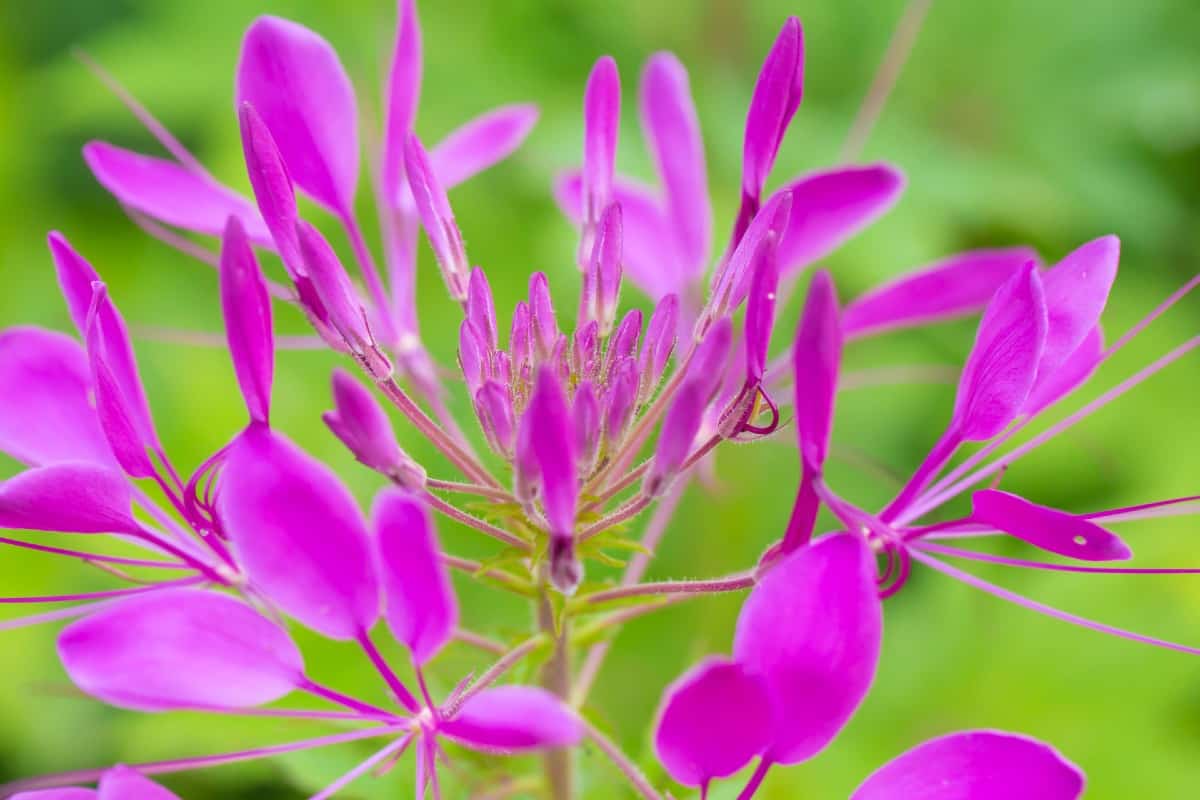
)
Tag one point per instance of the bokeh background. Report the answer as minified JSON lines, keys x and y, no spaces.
{"x":1016,"y":121}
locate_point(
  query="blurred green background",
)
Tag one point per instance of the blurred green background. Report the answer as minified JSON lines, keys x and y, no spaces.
{"x":1016,"y":121}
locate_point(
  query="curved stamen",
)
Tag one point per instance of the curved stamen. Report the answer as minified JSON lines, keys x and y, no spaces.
{"x":988,"y":558}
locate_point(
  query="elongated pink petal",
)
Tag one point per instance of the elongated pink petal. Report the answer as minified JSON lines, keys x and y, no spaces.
{"x":437,"y":218}
{"x":830,"y":207}
{"x":601,"y":119}
{"x":1047,"y":528}
{"x":513,"y":719}
{"x":117,"y":415}
{"x":272,"y":185}
{"x":299,"y":534}
{"x":547,"y":423}
{"x":816,"y":357}
{"x":760,"y":308}
{"x":180,"y":648}
{"x":247,"y":309}
{"x":419,"y":603}
{"x":1071,"y":374}
{"x":170,"y":192}
{"x":78,"y":280}
{"x":294,"y":80}
{"x":776,"y":97}
{"x":45,"y":416}
{"x":672,"y":134}
{"x":1076,"y":291}
{"x":731,"y":283}
{"x":976,"y":765}
{"x":123,"y":783}
{"x":953,"y":287}
{"x":649,"y":253}
{"x":602,"y":274}
{"x":71,"y":793}
{"x":713,"y":721}
{"x":69,"y":496}
{"x":403,"y":91}
{"x":1003,"y":363}
{"x":811,"y":629}
{"x":478,"y":144}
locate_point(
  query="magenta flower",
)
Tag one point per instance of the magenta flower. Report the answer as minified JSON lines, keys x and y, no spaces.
{"x":1039,"y":339}
{"x":804,"y":656}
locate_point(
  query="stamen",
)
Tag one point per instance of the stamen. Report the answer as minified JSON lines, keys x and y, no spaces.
{"x":72,"y":598}
{"x":955,"y":552}
{"x":1042,"y":608}
{"x":395,"y":748}
{"x":93,"y":557}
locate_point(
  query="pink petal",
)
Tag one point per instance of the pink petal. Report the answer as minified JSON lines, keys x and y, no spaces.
{"x":976,"y":765}
{"x":294,"y":80}
{"x":419,"y":602}
{"x":816,"y":357}
{"x":123,"y":783}
{"x":547,"y":428}
{"x":673,"y":136}
{"x":953,"y":287}
{"x":247,"y":309}
{"x":115,"y":410}
{"x":1070,"y":375}
{"x":648,"y":252}
{"x":403,"y":91}
{"x":482,"y":142}
{"x":1003,"y":363}
{"x":45,"y":415}
{"x":601,"y":119}
{"x":272,"y":185}
{"x":1076,"y":291}
{"x":1047,"y":528}
{"x":713,"y":721}
{"x":811,"y":629}
{"x":170,"y":192}
{"x":513,"y":719}
{"x":78,"y":279}
{"x":180,"y":648}
{"x":299,"y":534}
{"x":776,"y":97}
{"x":72,"y":793}
{"x":70,"y":496}
{"x":830,"y":207}
{"x":733,"y":281}
{"x":760,"y":308}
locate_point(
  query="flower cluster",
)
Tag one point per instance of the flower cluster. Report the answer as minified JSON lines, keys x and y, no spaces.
{"x":591,"y":421}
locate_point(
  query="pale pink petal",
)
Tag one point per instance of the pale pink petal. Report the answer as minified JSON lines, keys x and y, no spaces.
{"x":299,"y":534}
{"x":69,"y":496}
{"x":419,"y":603}
{"x":713,"y":721}
{"x":171,"y":193}
{"x":672,"y":134}
{"x":294,"y":80}
{"x":1003,"y":363}
{"x":180,"y":648}
{"x":811,"y":630}
{"x":403,"y":91}
{"x":123,"y":783}
{"x":514,"y":719}
{"x":1070,"y":375}
{"x":1047,"y":528}
{"x":953,"y":287}
{"x":45,"y":414}
{"x":246,"y":306}
{"x":482,"y":142}
{"x":976,"y":765}
{"x":830,"y":207}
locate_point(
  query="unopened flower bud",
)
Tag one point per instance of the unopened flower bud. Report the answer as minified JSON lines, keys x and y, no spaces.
{"x":437,"y":218}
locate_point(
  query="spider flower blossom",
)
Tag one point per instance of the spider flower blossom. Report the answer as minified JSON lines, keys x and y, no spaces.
{"x":1039,"y":339}
{"x":304,"y":98}
{"x":789,"y":690}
